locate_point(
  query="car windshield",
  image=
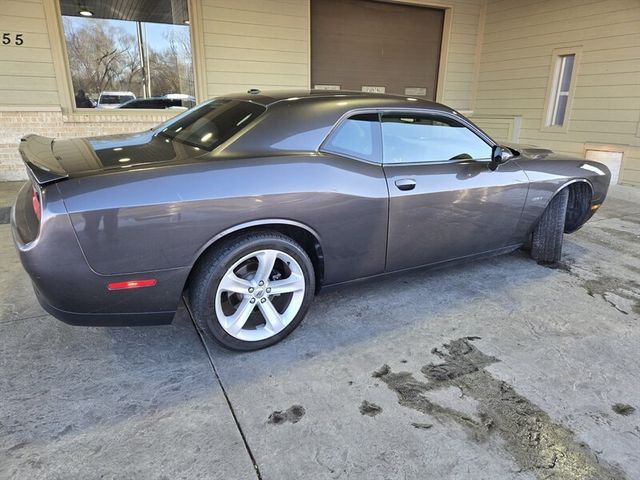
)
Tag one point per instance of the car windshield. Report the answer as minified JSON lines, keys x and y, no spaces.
{"x":114,"y":99}
{"x":211,"y":124}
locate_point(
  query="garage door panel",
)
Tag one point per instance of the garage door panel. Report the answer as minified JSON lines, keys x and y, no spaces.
{"x":359,"y":42}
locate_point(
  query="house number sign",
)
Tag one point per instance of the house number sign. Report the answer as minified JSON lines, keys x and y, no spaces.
{"x":12,"y":39}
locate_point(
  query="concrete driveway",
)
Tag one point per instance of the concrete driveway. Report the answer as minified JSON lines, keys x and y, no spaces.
{"x":499,"y":369}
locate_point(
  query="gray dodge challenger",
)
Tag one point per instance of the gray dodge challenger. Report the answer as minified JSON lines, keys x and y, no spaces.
{"x":248,"y":205}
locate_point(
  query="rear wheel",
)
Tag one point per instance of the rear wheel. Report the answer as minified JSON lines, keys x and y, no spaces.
{"x":546,"y":241}
{"x":253,"y":291}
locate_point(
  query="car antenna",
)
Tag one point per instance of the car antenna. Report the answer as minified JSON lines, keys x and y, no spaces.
{"x":253,"y":91}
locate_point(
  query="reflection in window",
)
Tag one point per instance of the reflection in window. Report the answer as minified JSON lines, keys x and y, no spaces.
{"x":134,"y":53}
{"x":410,"y":138}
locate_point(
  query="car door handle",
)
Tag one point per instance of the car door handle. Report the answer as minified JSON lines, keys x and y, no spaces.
{"x":406,"y":184}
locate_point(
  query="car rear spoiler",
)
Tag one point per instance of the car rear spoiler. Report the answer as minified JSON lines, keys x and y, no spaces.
{"x":37,"y":154}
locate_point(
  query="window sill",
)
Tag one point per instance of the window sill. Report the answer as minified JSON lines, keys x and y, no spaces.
{"x":555,"y":128}
{"x":91,"y":115}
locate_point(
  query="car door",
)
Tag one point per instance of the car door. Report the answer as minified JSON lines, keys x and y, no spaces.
{"x":444,"y":201}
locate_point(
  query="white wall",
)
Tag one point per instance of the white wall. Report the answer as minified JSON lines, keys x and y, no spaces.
{"x":255,"y":44}
{"x":27,"y":75}
{"x":516,"y":63}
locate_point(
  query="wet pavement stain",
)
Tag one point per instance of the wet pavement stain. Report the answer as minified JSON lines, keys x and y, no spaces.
{"x":370,"y":409}
{"x":562,"y":266}
{"x":538,"y":444}
{"x":422,"y":426}
{"x":623,"y":409}
{"x":292,"y":414}
{"x":381,"y":372}
{"x":604,"y":286}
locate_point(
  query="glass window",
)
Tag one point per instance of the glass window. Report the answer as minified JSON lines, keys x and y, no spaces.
{"x":410,"y":138}
{"x":120,"y":51}
{"x":357,"y":137}
{"x":212,"y":123}
{"x":561,"y":87}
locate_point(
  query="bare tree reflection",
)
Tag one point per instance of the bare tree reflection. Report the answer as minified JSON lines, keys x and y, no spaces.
{"x":104,"y":55}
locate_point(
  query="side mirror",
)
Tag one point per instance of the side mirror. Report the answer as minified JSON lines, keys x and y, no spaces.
{"x":499,"y":155}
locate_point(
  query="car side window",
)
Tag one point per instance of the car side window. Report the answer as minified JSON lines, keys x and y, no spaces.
{"x":358,"y":136}
{"x":414,"y":138}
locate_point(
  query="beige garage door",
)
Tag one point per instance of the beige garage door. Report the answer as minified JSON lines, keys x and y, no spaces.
{"x":375,"y":46}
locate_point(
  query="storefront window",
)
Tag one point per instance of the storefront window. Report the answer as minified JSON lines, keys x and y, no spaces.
{"x":129,"y":53}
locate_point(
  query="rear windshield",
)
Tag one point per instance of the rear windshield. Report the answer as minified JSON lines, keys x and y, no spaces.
{"x":114,"y":99}
{"x":212,"y":123}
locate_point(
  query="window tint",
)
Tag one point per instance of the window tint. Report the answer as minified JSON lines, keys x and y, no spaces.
{"x":358,"y":136}
{"x":410,"y":138}
{"x":211,"y":123}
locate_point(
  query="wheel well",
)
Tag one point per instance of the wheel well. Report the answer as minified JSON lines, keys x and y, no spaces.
{"x":303,"y":237}
{"x":578,"y":205}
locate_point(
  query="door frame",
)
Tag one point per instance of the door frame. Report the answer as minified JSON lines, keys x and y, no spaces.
{"x":444,"y":45}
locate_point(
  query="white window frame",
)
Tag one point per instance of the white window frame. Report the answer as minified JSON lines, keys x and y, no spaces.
{"x":556,"y":76}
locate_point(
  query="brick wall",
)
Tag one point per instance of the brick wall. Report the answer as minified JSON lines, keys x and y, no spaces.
{"x":14,"y":125}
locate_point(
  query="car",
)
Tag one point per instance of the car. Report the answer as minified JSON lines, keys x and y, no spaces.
{"x":113,"y":99}
{"x":160,"y":103}
{"x":180,"y":96}
{"x":249,"y":205}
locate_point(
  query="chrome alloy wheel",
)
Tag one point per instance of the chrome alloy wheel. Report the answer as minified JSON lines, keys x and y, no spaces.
{"x":260,"y":295}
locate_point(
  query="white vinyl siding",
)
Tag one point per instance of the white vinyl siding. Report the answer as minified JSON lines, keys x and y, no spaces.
{"x":255,"y":44}
{"x":517,"y":61}
{"x":461,"y":58}
{"x":27,"y":76}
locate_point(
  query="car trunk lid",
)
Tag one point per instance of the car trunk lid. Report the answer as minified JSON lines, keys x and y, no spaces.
{"x":51,"y":160}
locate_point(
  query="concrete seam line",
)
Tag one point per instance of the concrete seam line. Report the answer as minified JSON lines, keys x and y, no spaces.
{"x":20,"y":319}
{"x":224,"y":392}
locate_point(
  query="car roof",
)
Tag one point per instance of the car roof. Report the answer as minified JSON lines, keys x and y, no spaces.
{"x":300,"y":120}
{"x":142,"y":99}
{"x":109,"y":92}
{"x":360,"y":99}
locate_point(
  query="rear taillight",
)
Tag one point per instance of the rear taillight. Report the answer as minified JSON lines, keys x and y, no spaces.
{"x":35,"y":199}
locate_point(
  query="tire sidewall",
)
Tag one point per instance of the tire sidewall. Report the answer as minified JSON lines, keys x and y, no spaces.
{"x":547,"y":237}
{"x":234,"y":252}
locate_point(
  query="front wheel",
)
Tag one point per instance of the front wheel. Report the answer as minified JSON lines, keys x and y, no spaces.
{"x":253,"y":291}
{"x":546,"y":241}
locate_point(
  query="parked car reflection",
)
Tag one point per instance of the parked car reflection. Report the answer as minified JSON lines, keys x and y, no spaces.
{"x":167,"y":102}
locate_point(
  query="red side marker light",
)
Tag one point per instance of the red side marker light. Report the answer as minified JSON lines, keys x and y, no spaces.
{"x":132,"y":284}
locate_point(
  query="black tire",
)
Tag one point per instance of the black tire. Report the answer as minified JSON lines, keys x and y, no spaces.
{"x":546,"y":241}
{"x":212,"y":268}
